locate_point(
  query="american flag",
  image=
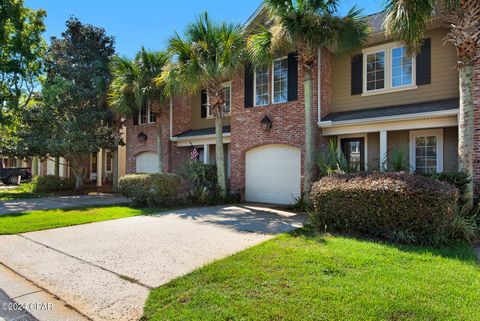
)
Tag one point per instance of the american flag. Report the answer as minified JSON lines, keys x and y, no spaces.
{"x":194,"y":154}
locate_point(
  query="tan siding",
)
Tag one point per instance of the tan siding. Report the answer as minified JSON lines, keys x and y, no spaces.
{"x":444,"y":81}
{"x":450,"y":149}
{"x":399,"y":140}
{"x":197,"y":121}
{"x":373,"y":149}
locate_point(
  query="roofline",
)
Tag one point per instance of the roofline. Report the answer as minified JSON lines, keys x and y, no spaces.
{"x":370,"y":120}
{"x":186,"y":138}
{"x":254,"y":15}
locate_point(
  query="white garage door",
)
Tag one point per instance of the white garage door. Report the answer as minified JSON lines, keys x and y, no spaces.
{"x":272,"y":174}
{"x":147,"y":163}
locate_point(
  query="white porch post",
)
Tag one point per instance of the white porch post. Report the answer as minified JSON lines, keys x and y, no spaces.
{"x":99,"y":167}
{"x":383,"y":150}
{"x":206,"y":154}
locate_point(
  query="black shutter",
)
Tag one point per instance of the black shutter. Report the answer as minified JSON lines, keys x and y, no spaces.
{"x":135,"y":119}
{"x":357,"y":74}
{"x":424,"y":68}
{"x":203,"y":101}
{"x":248,"y":83}
{"x":292,"y":76}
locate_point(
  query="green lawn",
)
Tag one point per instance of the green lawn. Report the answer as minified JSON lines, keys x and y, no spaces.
{"x":48,"y":219}
{"x":18,"y":193}
{"x":300,"y":276}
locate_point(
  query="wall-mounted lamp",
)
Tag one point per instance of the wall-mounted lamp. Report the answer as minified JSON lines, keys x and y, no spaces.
{"x":266,"y":124}
{"x":142,"y":137}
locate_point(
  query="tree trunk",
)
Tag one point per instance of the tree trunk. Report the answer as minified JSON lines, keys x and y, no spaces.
{"x":219,"y":156}
{"x":158,"y":124}
{"x":57,"y":166}
{"x":466,"y":128}
{"x":78,"y":173}
{"x":35,"y":166}
{"x":309,"y":135}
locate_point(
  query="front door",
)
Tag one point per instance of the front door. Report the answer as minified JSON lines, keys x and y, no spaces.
{"x":354,"y":151}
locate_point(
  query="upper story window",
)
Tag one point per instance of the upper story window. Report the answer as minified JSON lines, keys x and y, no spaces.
{"x":145,"y":115}
{"x":387,"y":68}
{"x":402,"y":68}
{"x":280,"y":80}
{"x":261,"y":86}
{"x":227,"y":87}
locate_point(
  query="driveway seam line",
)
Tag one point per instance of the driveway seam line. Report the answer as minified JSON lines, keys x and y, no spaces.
{"x":20,"y":296}
{"x":65,"y":303}
{"x":122,"y":277}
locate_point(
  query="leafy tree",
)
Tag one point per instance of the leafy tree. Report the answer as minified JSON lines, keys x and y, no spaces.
{"x":208,"y":55}
{"x":74,"y":98}
{"x":407,"y":21}
{"x":21,"y":51}
{"x":305,"y":26}
{"x":133,"y":87}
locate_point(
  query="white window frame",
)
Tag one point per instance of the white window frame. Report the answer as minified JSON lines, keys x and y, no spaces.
{"x":273,"y":80}
{"x":388,"y":88}
{"x":148,"y":116}
{"x":255,"y":89}
{"x":209,"y":110}
{"x":438,"y":133}
{"x":391,"y":70}
{"x":106,"y":162}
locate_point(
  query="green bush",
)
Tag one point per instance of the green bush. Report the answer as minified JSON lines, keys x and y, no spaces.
{"x":150,"y":189}
{"x":52,"y":183}
{"x":202,"y":180}
{"x":396,"y":206}
{"x":458,"y":179}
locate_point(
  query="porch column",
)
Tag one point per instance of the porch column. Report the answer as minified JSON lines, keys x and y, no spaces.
{"x":383,"y":150}
{"x":206,"y":154}
{"x":35,"y":166}
{"x":99,"y":167}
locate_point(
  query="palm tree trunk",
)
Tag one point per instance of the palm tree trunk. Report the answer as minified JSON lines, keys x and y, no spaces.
{"x":159,"y":142}
{"x":466,"y":128}
{"x":309,"y":135}
{"x":56,"y":166}
{"x":219,"y":156}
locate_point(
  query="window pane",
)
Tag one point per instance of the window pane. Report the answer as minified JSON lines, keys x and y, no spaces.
{"x":280,"y":74}
{"x":143,"y":115}
{"x":401,"y":68}
{"x":426,"y":154}
{"x":226,"y":106}
{"x":261,"y":86}
{"x":376,"y":71}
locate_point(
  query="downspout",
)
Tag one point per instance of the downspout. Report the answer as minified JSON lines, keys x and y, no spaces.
{"x":319,"y":82}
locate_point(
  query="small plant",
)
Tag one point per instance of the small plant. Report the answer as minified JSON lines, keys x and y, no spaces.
{"x":302,"y":204}
{"x":396,"y":161}
{"x":332,"y":160}
{"x":464,"y":226}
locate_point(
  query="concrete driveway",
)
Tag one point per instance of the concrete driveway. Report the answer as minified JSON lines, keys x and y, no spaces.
{"x":48,"y":203}
{"x":105,"y":270}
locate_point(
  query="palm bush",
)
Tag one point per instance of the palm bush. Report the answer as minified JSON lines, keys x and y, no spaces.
{"x":201,"y":177}
{"x":331,"y":160}
{"x":396,"y":161}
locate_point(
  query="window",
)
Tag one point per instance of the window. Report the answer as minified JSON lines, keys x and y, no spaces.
{"x":376,"y":71}
{"x":109,"y":161}
{"x":354,"y":151}
{"x":402,"y":68}
{"x":261,"y":86}
{"x":387,"y":68}
{"x":145,"y":115}
{"x":426,"y":151}
{"x":227,"y":87}
{"x":280,"y":81}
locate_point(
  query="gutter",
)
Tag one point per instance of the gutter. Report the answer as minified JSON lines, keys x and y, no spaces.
{"x":432,"y":114}
{"x":319,"y":82}
{"x":187,"y":138}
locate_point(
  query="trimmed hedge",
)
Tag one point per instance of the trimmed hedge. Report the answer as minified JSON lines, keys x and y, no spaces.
{"x":52,"y":183}
{"x":396,"y":206}
{"x":150,"y":189}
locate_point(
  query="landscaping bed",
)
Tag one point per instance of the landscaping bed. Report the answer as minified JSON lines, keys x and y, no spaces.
{"x":303,"y":276}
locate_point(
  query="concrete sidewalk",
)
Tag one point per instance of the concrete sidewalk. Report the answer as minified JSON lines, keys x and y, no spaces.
{"x":48,"y":203}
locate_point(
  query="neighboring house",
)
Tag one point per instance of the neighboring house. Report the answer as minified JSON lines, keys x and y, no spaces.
{"x":370,"y":103}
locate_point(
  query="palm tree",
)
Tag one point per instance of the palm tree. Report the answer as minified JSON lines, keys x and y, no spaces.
{"x":407,"y":21}
{"x":133,"y":87}
{"x":208,"y":55}
{"x":306,"y":26}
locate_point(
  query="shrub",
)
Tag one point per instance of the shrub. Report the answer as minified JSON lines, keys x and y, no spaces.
{"x":464,"y":226}
{"x":396,"y":161}
{"x":397,"y":206}
{"x":52,"y":183}
{"x":202,"y":179}
{"x":332,"y":160}
{"x":150,"y":189}
{"x":458,"y":179}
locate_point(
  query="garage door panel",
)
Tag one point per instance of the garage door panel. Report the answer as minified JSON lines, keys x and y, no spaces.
{"x":147,"y":163}
{"x":273,"y":174}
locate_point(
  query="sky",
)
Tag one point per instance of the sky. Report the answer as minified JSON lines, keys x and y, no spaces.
{"x":150,"y":23}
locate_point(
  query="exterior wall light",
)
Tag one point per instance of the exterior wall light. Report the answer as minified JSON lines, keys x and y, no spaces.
{"x":142,"y":137}
{"x":266,"y":124}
